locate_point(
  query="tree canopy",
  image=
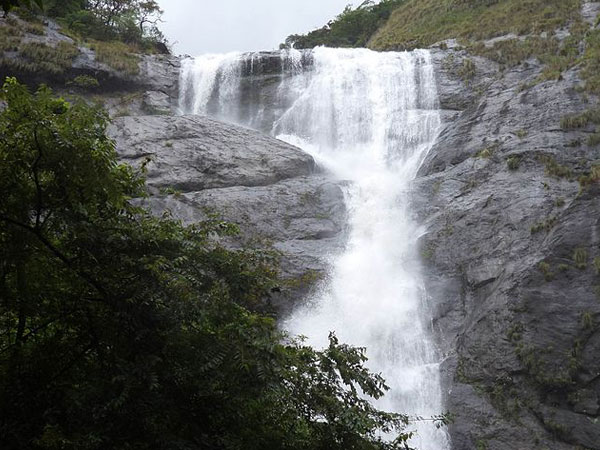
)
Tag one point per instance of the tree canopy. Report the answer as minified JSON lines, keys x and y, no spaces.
{"x":354,"y":27}
{"x":7,"y":5}
{"x":129,"y":21}
{"x":121,"y":330}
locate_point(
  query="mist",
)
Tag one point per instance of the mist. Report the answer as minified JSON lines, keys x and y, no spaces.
{"x":196,"y":27}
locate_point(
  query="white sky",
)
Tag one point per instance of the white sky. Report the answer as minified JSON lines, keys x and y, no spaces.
{"x":218,"y":26}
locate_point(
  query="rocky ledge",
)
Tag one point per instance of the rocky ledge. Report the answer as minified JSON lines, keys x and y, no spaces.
{"x":272,"y":190}
{"x":128,"y":84}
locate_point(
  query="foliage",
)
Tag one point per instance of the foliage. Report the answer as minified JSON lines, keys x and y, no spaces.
{"x":513,"y":162}
{"x":419,"y":23}
{"x":121,"y":330}
{"x":133,"y":22}
{"x":352,"y":28}
{"x":7,"y":5}
{"x":591,"y":62}
{"x":85,"y":82}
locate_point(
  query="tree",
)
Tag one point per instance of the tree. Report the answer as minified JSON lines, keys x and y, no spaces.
{"x":7,"y":5}
{"x":122,"y":330}
{"x":354,"y":27}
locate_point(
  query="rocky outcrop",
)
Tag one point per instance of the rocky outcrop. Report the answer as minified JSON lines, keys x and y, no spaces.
{"x":42,"y":54}
{"x":272,"y":190}
{"x":512,"y":255}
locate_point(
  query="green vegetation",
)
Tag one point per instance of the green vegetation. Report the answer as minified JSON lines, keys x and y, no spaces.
{"x":468,"y":70}
{"x":352,"y":28}
{"x":513,"y":162}
{"x":36,"y":56}
{"x":591,"y":62}
{"x":7,"y":5}
{"x":591,"y":177}
{"x":578,"y":121}
{"x":120,"y":330}
{"x":133,"y":22}
{"x":554,"y":169}
{"x":580,"y":258}
{"x":117,"y":55}
{"x":10,"y":38}
{"x":587,"y":321}
{"x":522,"y":133}
{"x":420,"y":23}
{"x":546,"y":225}
{"x":488,"y":152}
{"x":545,"y":269}
{"x":85,"y":82}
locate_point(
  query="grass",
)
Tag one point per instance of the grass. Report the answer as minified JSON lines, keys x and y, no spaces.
{"x":467,"y":71}
{"x":39,"y":57}
{"x":10,"y":38}
{"x":597,"y":264}
{"x":117,"y":55}
{"x":513,"y":162}
{"x":547,"y":225}
{"x":85,"y":82}
{"x":578,"y":121}
{"x":591,"y":177}
{"x":556,"y":170}
{"x":556,"y":56}
{"x":420,"y":23}
{"x":544,"y":267}
{"x":580,"y":258}
{"x":591,"y":62}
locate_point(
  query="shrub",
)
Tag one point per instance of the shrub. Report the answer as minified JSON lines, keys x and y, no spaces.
{"x":86,"y":82}
{"x":513,"y":162}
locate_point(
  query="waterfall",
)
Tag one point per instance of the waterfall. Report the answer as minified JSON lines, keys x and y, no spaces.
{"x":369,"y":118}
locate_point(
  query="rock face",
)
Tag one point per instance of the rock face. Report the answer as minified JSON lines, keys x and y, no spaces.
{"x":512,"y":249}
{"x":272,"y":190}
{"x":151,"y":89}
{"x":511,"y":242}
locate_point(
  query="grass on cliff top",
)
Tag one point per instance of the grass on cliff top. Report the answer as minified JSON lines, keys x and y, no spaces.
{"x":420,"y":23}
{"x":117,"y":55}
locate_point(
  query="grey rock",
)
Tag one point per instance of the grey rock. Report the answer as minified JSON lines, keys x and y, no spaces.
{"x":272,"y":190}
{"x":586,"y":402}
{"x":590,"y":12}
{"x":156,"y":102}
{"x":516,"y":318}
{"x":192,"y":153}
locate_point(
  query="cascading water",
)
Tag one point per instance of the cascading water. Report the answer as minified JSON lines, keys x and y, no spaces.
{"x":369,"y":118}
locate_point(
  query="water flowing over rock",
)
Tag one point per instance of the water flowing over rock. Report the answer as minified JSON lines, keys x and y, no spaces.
{"x":368,"y":118}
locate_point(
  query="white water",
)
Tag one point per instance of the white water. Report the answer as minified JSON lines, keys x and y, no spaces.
{"x":370,"y":118}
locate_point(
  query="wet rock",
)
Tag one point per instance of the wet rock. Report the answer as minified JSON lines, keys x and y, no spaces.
{"x":155,"y":102}
{"x":191,"y":153}
{"x":272,"y":190}
{"x":509,"y":243}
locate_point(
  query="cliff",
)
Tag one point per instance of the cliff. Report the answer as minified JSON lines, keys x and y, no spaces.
{"x":508,"y":199}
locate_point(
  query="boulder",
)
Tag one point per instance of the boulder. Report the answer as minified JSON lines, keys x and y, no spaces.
{"x":281,"y":201}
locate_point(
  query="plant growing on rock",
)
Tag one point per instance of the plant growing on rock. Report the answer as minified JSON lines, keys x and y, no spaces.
{"x":580,"y":257}
{"x":513,"y":162}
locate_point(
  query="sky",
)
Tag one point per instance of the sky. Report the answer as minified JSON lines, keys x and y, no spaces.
{"x":219,"y":26}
